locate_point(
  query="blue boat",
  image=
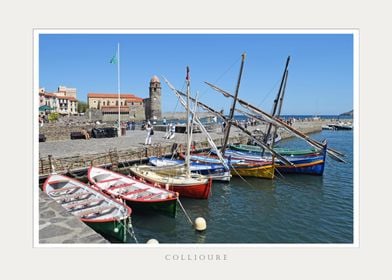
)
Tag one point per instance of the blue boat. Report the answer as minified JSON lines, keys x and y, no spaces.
{"x":215,"y":171}
{"x":311,"y":164}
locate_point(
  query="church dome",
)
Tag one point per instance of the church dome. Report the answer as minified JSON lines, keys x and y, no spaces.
{"x":154,"y":79}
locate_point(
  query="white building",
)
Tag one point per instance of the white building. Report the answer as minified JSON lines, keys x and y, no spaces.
{"x":63,"y":101}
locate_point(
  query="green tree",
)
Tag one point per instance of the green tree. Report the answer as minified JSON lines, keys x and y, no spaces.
{"x":82,"y":107}
{"x":53,"y":117}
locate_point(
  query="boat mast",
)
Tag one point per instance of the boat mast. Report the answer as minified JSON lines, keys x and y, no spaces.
{"x":188,"y":142}
{"x":278,"y":101}
{"x":227,"y":130}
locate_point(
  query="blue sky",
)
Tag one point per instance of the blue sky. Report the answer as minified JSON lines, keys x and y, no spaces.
{"x":320,"y":80}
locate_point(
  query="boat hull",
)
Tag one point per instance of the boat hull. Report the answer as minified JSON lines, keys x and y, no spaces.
{"x":166,"y":205}
{"x":216,"y":172}
{"x":114,"y":231}
{"x":265,"y":171}
{"x":310,"y":164}
{"x":311,"y":168}
{"x":200,"y":189}
{"x":282,"y":151}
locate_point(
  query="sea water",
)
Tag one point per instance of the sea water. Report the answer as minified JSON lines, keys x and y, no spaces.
{"x":291,"y":209}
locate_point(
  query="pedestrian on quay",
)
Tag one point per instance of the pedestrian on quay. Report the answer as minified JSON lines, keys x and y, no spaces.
{"x":150,"y":132}
{"x":172,"y":131}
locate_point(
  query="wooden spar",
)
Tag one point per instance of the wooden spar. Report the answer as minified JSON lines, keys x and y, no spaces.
{"x":279,"y":109}
{"x":188,"y":143}
{"x":278,"y":101}
{"x":283,"y":92}
{"x":227,"y":130}
{"x":333,"y":153}
{"x":226,"y":120}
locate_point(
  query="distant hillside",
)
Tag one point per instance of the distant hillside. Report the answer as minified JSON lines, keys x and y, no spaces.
{"x":350,"y":113}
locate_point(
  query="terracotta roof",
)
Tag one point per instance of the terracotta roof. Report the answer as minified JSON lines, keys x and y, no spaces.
{"x":114,"y":109}
{"x":67,"y":97}
{"x":126,"y":96}
{"x":49,"y":94}
{"x":57,"y":96}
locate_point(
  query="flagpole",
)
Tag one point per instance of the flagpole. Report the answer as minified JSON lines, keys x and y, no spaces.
{"x":118,"y":88}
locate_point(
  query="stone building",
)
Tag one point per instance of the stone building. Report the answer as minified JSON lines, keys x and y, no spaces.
{"x":131,"y":106}
{"x":153,"y":103}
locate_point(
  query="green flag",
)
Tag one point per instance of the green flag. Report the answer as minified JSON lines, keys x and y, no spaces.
{"x":114,"y":59}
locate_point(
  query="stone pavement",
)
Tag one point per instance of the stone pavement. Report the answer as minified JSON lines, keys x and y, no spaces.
{"x":135,"y":140}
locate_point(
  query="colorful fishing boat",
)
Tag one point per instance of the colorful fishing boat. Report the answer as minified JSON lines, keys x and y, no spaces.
{"x":241,"y":167}
{"x":215,"y":171}
{"x":105,"y":215}
{"x":302,"y":164}
{"x":141,"y":196}
{"x":281,"y":151}
{"x":264,"y":170}
{"x":192,"y":186}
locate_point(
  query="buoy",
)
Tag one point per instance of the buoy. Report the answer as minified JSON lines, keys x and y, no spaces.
{"x":200,"y":224}
{"x":152,"y":241}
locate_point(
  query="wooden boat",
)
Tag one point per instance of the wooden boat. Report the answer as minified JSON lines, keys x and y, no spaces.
{"x":241,"y":167}
{"x":282,"y":151}
{"x":259,"y":170}
{"x":193,"y":185}
{"x":141,"y":196}
{"x":105,"y":215}
{"x":215,"y":171}
{"x":303,"y":164}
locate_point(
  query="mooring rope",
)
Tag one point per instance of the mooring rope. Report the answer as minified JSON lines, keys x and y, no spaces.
{"x":183,"y":209}
{"x":131,"y":231}
{"x":238,"y":174}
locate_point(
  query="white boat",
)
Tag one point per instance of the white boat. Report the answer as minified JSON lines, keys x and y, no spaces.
{"x":102,"y":213}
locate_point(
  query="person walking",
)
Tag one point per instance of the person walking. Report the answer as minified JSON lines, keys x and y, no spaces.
{"x":150,"y":132}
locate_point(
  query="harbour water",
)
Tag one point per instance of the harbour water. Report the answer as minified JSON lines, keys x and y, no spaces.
{"x":291,"y":209}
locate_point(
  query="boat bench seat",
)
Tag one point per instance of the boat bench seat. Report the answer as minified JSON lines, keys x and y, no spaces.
{"x":67,"y":190}
{"x":149,"y":196}
{"x":120,"y":186}
{"x":109,"y":180}
{"x":84,"y":203}
{"x":96,"y":211}
{"x":134,"y":192}
{"x":74,"y":197}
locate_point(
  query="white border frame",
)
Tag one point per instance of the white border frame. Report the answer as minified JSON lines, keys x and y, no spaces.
{"x":356,"y":179}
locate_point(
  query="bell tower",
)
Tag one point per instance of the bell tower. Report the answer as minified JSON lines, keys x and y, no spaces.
{"x":155,"y":112}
